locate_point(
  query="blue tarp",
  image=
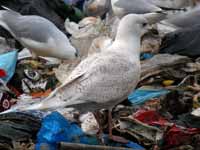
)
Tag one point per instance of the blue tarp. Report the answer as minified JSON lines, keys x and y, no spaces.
{"x":142,"y":95}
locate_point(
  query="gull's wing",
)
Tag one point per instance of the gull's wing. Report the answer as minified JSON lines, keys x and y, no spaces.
{"x":136,"y":6}
{"x":78,"y":73}
{"x":182,"y":41}
{"x":171,"y":4}
{"x":29,"y":27}
{"x":101,"y":78}
{"x":186,"y":19}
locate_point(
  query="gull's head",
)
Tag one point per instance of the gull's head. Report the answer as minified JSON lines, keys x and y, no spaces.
{"x":96,"y":7}
{"x":132,"y":25}
{"x":139,"y":24}
{"x":68,"y":51}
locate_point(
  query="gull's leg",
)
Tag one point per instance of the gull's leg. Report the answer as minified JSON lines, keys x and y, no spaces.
{"x":97,"y":116}
{"x":100,"y":131}
{"x":110,"y":125}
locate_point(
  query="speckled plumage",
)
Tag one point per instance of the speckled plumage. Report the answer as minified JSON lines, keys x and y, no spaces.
{"x":101,"y":81}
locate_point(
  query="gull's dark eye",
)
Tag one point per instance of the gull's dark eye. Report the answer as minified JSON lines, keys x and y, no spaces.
{"x":144,"y":24}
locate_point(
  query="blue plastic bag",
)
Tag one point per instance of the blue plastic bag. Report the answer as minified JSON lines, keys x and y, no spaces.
{"x":55,"y":128}
{"x":142,"y":95}
{"x":8,"y":63}
{"x":145,"y":56}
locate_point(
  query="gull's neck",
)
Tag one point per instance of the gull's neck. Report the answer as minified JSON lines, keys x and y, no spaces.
{"x":127,"y":42}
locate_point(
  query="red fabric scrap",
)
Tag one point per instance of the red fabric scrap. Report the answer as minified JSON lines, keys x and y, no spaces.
{"x":150,"y":117}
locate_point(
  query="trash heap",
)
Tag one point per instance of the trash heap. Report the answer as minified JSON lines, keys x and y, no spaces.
{"x":162,"y":113}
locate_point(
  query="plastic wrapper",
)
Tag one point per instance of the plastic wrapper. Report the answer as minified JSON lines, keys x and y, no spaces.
{"x":34,"y":78}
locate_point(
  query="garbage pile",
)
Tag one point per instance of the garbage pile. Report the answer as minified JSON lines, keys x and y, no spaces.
{"x":63,"y":86}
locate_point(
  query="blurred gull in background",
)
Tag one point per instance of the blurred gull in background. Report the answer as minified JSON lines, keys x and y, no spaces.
{"x":123,"y":7}
{"x":37,"y":34}
{"x":185,"y":19}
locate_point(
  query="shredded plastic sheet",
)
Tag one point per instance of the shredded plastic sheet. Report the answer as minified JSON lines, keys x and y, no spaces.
{"x":174,"y":135}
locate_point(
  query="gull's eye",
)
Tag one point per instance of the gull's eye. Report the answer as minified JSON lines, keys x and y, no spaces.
{"x":144,"y":24}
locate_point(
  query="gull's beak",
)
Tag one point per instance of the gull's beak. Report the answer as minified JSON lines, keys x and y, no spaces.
{"x":77,"y":53}
{"x":155,"y":17}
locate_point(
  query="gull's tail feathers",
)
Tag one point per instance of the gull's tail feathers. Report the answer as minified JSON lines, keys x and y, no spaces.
{"x":10,"y":10}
